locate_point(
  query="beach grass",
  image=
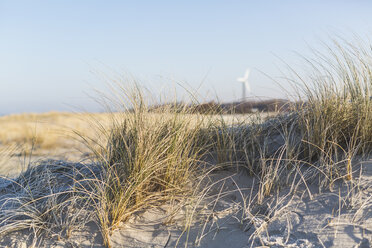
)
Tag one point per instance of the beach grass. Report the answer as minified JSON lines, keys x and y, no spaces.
{"x":144,"y":158}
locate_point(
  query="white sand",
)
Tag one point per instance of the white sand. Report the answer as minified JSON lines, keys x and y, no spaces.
{"x":327,"y":219}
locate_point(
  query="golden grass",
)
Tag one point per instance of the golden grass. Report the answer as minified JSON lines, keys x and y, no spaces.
{"x":47,"y":131}
{"x":149,"y":159}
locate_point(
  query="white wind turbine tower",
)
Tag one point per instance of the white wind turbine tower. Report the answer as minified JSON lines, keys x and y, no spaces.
{"x":245,"y":83}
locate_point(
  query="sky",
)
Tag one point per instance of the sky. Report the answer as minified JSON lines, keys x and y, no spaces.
{"x":55,"y":55}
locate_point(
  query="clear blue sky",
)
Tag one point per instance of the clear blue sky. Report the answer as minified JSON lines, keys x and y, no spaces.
{"x":48,"y":49}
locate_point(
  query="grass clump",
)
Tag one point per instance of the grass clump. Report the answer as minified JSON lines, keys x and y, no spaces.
{"x":336,"y":121}
{"x":150,"y":158}
{"x":322,"y":135}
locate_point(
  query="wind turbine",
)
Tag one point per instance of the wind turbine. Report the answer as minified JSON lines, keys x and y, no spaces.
{"x":245,"y":84}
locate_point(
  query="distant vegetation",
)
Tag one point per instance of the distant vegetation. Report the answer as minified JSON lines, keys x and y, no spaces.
{"x":242,"y":107}
{"x":246,"y":107}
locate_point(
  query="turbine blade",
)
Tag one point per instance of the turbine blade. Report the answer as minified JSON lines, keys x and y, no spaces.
{"x":247,"y":73}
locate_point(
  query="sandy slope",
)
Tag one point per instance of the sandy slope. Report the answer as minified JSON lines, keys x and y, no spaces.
{"x":286,"y":220}
{"x":338,"y":218}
